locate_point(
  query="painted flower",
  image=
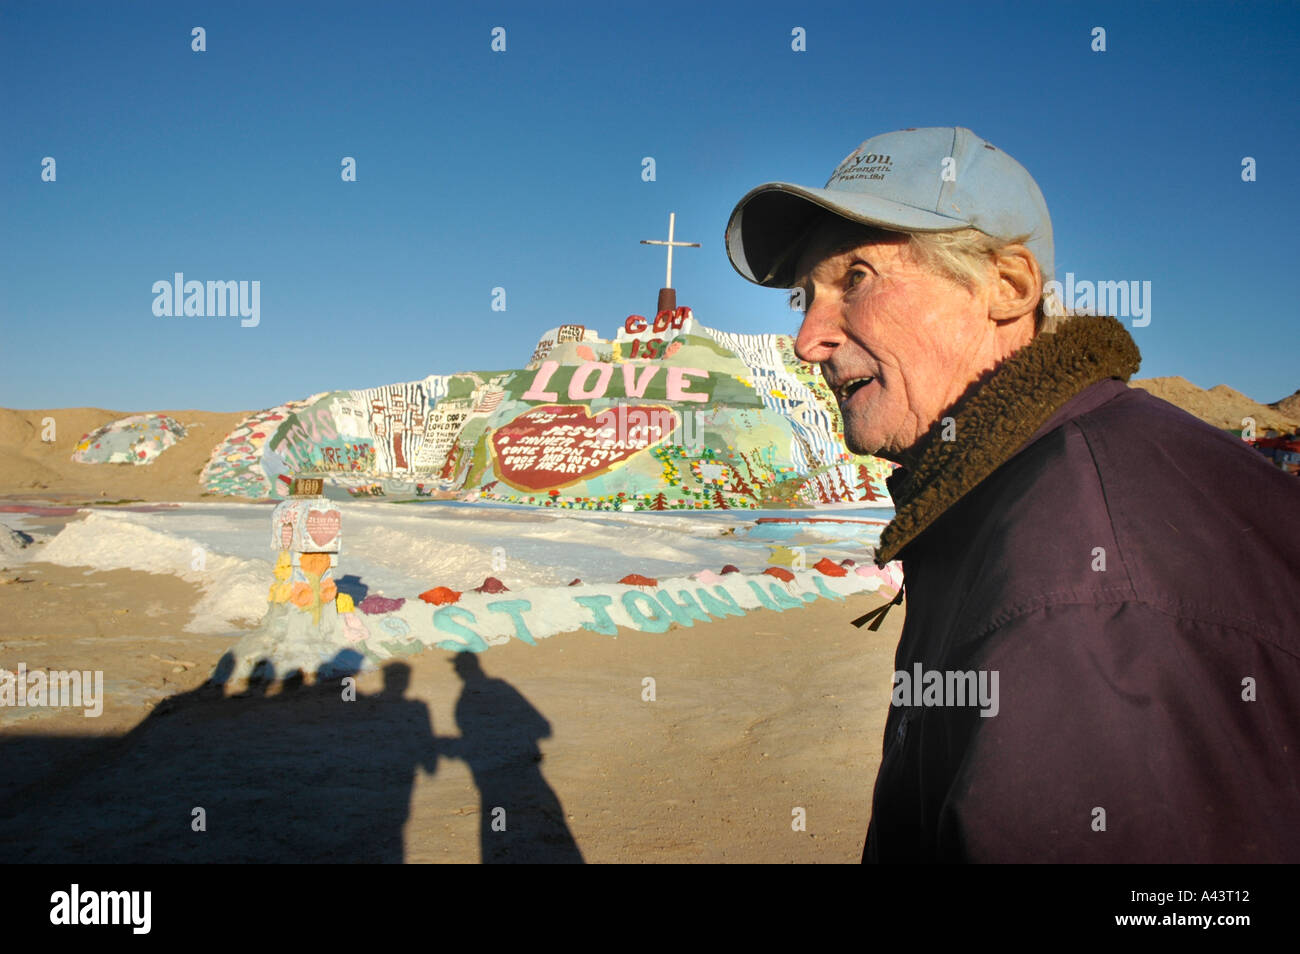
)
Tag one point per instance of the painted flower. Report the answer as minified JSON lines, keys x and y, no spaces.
{"x":343,"y":603}
{"x":314,"y":564}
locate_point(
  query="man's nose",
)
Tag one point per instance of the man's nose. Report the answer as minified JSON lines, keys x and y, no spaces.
{"x":819,"y":335}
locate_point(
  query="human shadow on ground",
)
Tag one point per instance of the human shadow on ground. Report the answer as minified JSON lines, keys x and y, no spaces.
{"x":520,"y":816}
{"x":318,"y":773}
{"x":304,"y":773}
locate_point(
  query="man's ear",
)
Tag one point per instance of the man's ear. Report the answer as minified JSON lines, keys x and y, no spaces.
{"x":1018,"y":285}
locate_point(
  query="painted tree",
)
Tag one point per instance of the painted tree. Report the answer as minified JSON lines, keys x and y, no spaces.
{"x":718,"y":501}
{"x":842,"y":491}
{"x":864,"y":485}
{"x":759,"y":478}
{"x":449,"y":466}
{"x":660,"y":503}
{"x":738,"y":486}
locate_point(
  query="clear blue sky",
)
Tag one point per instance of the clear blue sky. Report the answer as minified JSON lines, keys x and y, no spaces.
{"x":522,"y":170}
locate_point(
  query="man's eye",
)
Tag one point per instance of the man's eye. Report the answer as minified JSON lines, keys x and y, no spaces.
{"x":856,"y":275}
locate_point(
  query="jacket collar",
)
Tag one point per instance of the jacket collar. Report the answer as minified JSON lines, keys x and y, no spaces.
{"x":998,"y":415}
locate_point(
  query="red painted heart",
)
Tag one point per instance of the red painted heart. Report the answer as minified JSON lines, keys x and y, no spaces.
{"x":555,"y":445}
{"x":322,"y":526}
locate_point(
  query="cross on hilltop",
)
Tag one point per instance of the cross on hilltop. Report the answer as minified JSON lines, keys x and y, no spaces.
{"x":667,"y":296}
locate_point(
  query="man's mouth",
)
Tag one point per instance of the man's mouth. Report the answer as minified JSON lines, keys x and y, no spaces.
{"x":851,"y":387}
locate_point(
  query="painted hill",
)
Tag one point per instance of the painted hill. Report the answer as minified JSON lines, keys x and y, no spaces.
{"x":670,"y":415}
{"x":1223,"y":407}
{"x":131,"y":440}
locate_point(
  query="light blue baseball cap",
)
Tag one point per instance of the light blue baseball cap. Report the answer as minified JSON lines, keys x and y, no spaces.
{"x":937,"y":179}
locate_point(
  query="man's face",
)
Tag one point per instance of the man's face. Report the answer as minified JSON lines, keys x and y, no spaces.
{"x":897,"y":344}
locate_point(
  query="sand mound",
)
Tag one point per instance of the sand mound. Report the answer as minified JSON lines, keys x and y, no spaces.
{"x":1289,"y":406}
{"x":1224,"y":393}
{"x":15,"y":428}
{"x":1220,"y":406}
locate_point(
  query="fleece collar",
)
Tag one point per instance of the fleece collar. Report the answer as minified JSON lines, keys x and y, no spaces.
{"x":997,"y":415}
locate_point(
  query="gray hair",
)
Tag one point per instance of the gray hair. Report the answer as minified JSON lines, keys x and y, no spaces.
{"x":963,"y":257}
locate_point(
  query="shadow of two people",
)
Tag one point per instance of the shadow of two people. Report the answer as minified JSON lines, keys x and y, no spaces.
{"x":520,"y":816}
{"x":294,"y":776}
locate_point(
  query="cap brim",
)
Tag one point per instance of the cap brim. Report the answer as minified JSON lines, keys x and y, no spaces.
{"x":770,"y":224}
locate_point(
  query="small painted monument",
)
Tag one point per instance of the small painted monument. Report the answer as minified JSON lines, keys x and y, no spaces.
{"x":307,"y":534}
{"x":306,"y":622}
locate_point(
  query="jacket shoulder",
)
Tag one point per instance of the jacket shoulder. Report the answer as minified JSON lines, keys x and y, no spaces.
{"x":1205,"y":526}
{"x":1134,"y":499}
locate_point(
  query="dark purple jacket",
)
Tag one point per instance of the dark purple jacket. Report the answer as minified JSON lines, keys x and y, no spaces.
{"x":1122,"y":690}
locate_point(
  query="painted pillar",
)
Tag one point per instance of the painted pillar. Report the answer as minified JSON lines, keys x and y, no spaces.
{"x":307,"y":535}
{"x":667,"y":300}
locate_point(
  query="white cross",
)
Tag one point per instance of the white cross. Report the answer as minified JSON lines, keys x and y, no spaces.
{"x":672,"y":222}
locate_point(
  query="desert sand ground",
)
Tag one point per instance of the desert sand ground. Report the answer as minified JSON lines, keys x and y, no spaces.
{"x":753,"y":718}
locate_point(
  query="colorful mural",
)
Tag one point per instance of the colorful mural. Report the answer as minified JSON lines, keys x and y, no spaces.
{"x":236,"y":466}
{"x":132,"y":440}
{"x":557,"y":445}
{"x":669,"y":415}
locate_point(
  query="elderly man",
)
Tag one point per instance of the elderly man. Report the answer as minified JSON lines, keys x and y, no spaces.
{"x":1124,"y":577}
